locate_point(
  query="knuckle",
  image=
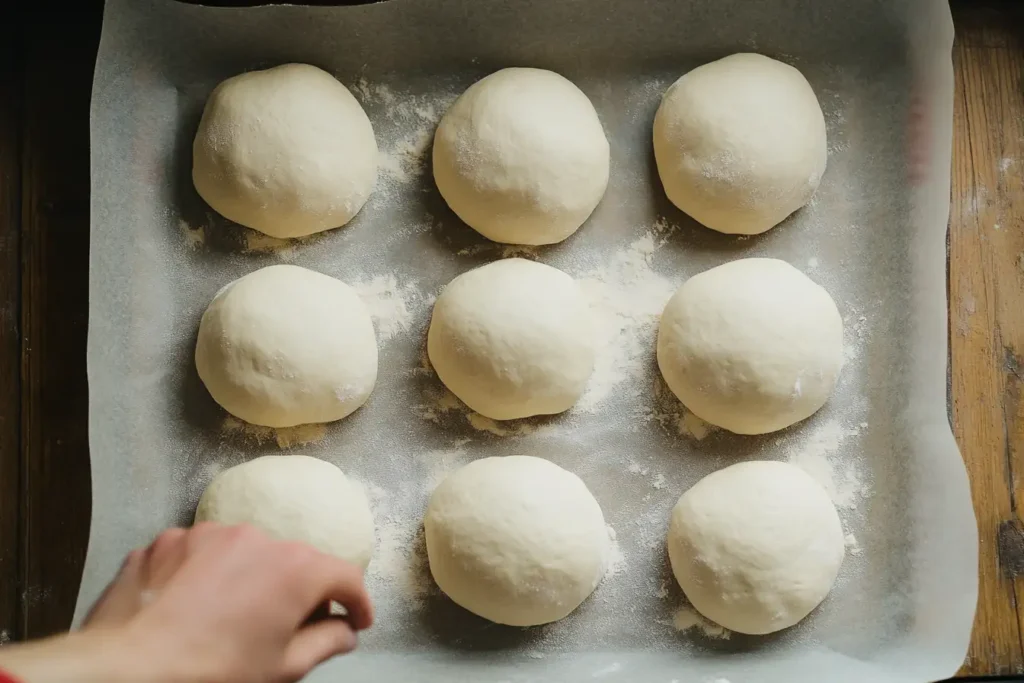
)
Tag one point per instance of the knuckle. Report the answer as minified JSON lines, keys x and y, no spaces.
{"x":168,"y":538}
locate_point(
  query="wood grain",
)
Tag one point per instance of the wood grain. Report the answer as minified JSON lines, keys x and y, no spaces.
{"x":986,"y":269}
{"x":45,"y":75}
{"x":60,"y":51}
{"x":10,"y":333}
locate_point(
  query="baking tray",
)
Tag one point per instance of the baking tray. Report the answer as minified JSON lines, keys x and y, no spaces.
{"x":874,"y":236}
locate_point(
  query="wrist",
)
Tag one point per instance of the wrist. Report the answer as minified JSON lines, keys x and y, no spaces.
{"x":101,"y":655}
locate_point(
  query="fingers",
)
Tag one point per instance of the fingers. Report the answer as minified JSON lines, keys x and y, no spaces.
{"x":164,"y":557}
{"x":342,"y":582}
{"x":120,"y":599}
{"x":316,"y":643}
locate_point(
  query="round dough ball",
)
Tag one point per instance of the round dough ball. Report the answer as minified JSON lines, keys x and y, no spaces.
{"x":521,"y":157}
{"x":287,"y":151}
{"x":512,"y":339}
{"x":752,"y":346}
{"x":294,"y":498}
{"x":285,"y":346}
{"x":755,"y":546}
{"x":740,"y":143}
{"x":515,"y":539}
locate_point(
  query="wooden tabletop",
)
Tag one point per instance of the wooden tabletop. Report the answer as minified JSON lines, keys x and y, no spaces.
{"x":46,"y":62}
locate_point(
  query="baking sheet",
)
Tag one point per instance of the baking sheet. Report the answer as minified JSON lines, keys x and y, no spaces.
{"x":874,"y":236}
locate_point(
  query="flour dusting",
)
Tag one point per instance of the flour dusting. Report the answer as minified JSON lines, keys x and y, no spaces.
{"x":286,"y":250}
{"x":616,"y":559}
{"x":816,"y":452}
{"x":285,"y":437}
{"x":392,"y":304}
{"x":686,"y":618}
{"x":195,"y":236}
{"x":669,"y":413}
{"x":627,"y":297}
{"x":852,"y":545}
{"x":405,"y":131}
{"x":399,"y":564}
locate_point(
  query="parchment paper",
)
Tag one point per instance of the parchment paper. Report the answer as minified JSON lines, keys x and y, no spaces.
{"x":874,"y":236}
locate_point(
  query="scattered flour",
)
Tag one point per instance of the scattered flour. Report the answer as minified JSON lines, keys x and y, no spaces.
{"x":195,"y":237}
{"x":286,"y":437}
{"x":852,"y":545}
{"x":637,"y":468}
{"x":486,"y":424}
{"x":686,"y":618}
{"x":399,"y":563}
{"x":616,"y":558}
{"x":399,"y":566}
{"x":404,"y":125}
{"x":441,"y":463}
{"x":440,"y":403}
{"x":392,"y":305}
{"x":257,"y":242}
{"x":690,"y":424}
{"x":627,"y":297}
{"x":815,"y":452}
{"x":671,"y":414}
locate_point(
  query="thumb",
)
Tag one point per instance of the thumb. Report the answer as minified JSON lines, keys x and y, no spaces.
{"x":317,"y":643}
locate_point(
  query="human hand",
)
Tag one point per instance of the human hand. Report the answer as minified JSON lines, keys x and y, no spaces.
{"x":216,"y":603}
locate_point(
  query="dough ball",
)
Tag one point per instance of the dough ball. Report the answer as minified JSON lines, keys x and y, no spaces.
{"x":287,"y":151}
{"x":752,"y":346}
{"x":285,"y":346}
{"x":295,"y":498}
{"x":755,"y":546}
{"x":512,"y":339}
{"x":740,"y":143}
{"x":521,"y":157}
{"x":515,"y":539}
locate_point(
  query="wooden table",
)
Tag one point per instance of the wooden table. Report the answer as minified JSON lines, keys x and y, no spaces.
{"x":46,"y":63}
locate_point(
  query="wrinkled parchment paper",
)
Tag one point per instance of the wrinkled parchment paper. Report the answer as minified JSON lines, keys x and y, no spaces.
{"x":874,"y":236}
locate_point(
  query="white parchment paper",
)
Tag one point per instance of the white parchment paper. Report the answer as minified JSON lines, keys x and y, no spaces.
{"x":874,"y":236}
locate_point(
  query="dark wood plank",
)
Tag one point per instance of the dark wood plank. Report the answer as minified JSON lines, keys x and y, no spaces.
{"x":59,"y":54}
{"x":10,"y":332}
{"x":986,"y":271}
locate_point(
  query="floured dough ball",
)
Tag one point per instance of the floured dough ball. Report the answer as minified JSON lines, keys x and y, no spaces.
{"x":740,"y":143}
{"x":287,"y":151}
{"x":285,"y":346}
{"x":516,"y":539}
{"x":512,"y":339}
{"x":755,"y":546}
{"x":521,"y":157}
{"x":752,"y":346}
{"x":294,"y":498}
